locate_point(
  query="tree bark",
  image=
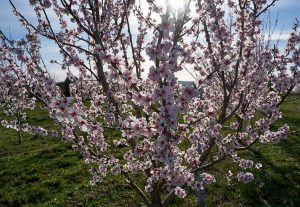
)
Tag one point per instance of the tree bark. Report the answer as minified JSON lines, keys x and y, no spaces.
{"x":201,"y":192}
{"x":155,"y":197}
{"x":19,"y":137}
{"x":19,"y":130}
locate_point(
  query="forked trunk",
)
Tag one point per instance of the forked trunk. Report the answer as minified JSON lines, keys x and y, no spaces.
{"x":155,"y":198}
{"x":156,"y":205}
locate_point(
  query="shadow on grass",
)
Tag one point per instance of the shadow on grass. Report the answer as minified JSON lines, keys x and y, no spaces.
{"x":279,"y":181}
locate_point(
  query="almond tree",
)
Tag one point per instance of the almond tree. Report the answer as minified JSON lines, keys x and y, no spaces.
{"x":13,"y":102}
{"x":127,"y":54}
{"x":16,"y":96}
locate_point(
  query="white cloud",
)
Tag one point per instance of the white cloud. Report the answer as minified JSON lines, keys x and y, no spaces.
{"x":278,"y":36}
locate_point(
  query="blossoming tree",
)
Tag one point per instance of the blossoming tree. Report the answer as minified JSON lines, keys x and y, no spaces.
{"x":15,"y":96}
{"x":126,"y":55}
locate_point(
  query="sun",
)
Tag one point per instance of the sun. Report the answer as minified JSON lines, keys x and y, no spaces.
{"x":175,"y":5}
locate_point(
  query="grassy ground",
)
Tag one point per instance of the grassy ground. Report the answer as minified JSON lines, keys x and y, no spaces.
{"x":47,"y":172}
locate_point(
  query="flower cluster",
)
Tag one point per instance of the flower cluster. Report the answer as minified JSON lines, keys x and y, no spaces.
{"x":245,"y":177}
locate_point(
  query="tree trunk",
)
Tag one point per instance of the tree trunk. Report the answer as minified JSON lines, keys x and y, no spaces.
{"x":19,"y":137}
{"x":156,"y":205}
{"x":19,"y":128}
{"x":155,"y":197}
{"x":201,"y":192}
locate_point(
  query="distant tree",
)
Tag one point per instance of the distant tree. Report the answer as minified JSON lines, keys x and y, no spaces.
{"x":127,"y":53}
{"x":67,"y":87}
{"x":15,"y":101}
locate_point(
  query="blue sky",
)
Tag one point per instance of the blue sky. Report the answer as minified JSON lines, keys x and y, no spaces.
{"x":287,"y":10}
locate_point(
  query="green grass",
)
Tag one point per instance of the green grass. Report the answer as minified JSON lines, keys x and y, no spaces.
{"x":47,"y":172}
